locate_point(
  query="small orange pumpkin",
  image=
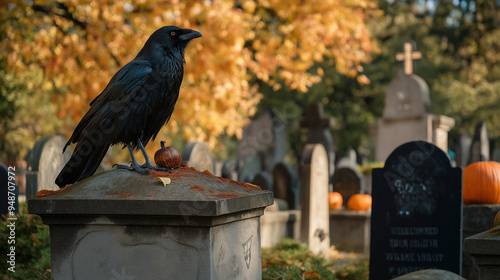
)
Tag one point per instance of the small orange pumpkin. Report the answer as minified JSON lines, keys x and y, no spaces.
{"x":335,"y":200}
{"x":481,"y":183}
{"x":359,"y":202}
{"x":168,"y":157}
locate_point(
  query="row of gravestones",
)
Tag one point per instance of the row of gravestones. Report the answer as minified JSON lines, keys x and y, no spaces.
{"x":417,"y":205}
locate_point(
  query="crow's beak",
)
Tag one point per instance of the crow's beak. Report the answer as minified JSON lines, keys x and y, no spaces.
{"x":189,"y":34}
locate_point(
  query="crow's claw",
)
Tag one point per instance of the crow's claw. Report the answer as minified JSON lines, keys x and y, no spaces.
{"x":133,"y":167}
{"x":156,"y":168}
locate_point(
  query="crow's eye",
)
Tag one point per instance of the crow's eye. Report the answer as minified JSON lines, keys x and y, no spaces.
{"x":173,"y":33}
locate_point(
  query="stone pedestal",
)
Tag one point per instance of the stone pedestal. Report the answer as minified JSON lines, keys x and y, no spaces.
{"x":350,"y":230}
{"x":485,"y":249}
{"x":122,"y":225}
{"x":477,"y":218}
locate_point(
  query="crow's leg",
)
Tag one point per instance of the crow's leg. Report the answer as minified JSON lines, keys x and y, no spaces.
{"x":148,"y":163}
{"x":134,"y":166}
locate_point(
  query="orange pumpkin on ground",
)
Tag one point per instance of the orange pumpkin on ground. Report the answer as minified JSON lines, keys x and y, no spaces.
{"x":335,"y":200}
{"x":168,"y":157}
{"x":481,"y":183}
{"x":359,"y":202}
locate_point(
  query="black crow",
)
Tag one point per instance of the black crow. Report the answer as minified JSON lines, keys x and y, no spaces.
{"x":131,"y":110}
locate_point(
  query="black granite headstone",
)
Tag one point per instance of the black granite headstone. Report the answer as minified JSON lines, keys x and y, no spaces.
{"x":7,"y":190}
{"x":286,"y":186}
{"x":416,"y":213}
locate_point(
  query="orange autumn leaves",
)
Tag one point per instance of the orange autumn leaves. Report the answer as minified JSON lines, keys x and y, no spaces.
{"x":80,"y":44}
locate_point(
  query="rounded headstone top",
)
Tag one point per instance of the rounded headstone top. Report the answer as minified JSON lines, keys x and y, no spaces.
{"x":124,"y":192}
{"x":407,"y":97}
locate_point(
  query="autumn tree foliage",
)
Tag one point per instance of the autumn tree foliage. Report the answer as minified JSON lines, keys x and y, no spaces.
{"x":76,"y":46}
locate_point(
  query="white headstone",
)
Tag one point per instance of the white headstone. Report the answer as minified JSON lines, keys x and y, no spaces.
{"x":315,"y":222}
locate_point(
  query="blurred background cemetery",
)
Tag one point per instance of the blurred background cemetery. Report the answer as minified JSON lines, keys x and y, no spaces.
{"x":268,"y":78}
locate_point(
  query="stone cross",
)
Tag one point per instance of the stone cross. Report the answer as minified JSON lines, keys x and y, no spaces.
{"x":407,"y":56}
{"x":318,"y":131}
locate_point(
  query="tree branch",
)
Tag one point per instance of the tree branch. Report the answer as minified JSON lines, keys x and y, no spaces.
{"x":63,"y":12}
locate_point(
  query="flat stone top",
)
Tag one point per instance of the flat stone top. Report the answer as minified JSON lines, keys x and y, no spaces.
{"x":123,"y":192}
{"x":350,"y":213}
{"x":484,"y":243}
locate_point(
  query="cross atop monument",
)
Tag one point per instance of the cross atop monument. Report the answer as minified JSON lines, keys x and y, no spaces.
{"x":408,"y":55}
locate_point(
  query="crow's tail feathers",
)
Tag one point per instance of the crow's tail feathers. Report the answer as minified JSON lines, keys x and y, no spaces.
{"x":84,"y":161}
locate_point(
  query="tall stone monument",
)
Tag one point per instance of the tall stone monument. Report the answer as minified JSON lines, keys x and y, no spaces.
{"x":407,"y":116}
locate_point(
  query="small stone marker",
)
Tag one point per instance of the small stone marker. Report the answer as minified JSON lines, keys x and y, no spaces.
{"x":318,"y":132}
{"x":416,"y":213}
{"x":123,"y":225}
{"x":347,"y":180}
{"x":4,"y":196}
{"x":315,"y":222}
{"x":263,"y":181}
{"x":251,"y":166}
{"x":45,"y":161}
{"x":463,"y":150}
{"x":286,"y":185}
{"x":198,"y":156}
{"x":480,"y":148}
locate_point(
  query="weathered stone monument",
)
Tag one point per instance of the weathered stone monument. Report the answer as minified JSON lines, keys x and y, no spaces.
{"x":45,"y":161}
{"x":198,"y":156}
{"x":314,"y":199}
{"x":265,"y":137}
{"x":318,"y":132}
{"x":120,"y":224}
{"x":406,"y":115}
{"x":416,"y":213}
